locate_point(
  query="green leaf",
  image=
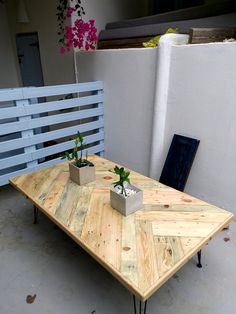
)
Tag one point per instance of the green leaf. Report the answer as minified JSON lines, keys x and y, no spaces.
{"x":66,"y":155}
{"x":124,"y":176}
{"x":80,"y":137}
{"x":117,"y":170}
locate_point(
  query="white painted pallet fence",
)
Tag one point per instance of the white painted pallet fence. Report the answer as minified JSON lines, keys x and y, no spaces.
{"x":26,"y":116}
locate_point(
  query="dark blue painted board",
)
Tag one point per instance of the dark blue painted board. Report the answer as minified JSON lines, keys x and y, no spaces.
{"x":179,"y":161}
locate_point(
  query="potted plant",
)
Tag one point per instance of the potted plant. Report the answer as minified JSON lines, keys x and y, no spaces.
{"x":124,"y":196}
{"x":82,"y":170}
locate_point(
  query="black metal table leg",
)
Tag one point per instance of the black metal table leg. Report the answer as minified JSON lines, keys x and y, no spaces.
{"x":142,"y":309}
{"x":145,"y":307}
{"x":199,"y":256}
{"x":135,"y":309}
{"x":36,"y":211}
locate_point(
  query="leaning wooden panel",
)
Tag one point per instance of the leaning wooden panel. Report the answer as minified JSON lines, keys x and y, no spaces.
{"x":142,"y":250}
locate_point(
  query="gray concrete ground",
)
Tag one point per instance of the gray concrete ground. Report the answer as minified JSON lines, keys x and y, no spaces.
{"x":42,"y":260}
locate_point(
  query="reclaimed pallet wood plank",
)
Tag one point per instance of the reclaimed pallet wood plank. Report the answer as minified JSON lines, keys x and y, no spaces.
{"x":49,"y":136}
{"x":46,"y":91}
{"x":129,"y":250}
{"x":31,"y":155}
{"x":209,"y":35}
{"x":8,"y":128}
{"x":5,"y":178}
{"x":50,"y":106}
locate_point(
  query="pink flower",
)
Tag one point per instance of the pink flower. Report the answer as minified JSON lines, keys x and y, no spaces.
{"x":62,"y":50}
{"x":80,"y":35}
{"x":70,"y":12}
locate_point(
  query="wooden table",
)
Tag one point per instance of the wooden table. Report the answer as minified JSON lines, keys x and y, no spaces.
{"x":142,"y":250}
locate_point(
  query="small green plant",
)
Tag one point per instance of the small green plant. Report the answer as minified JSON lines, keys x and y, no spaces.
{"x":154,"y":42}
{"x":124,"y":177}
{"x":74,"y":155}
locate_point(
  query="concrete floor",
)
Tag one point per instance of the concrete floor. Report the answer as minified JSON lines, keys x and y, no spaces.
{"x":42,"y":260}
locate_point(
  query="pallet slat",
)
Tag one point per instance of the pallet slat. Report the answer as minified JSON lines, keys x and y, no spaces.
{"x":46,"y":91}
{"x":48,"y":136}
{"x":7,"y":113}
{"x":21,"y":114}
{"x":13,"y":127}
{"x":46,"y":151}
{"x":5,"y":178}
{"x":209,"y":35}
{"x":123,"y":43}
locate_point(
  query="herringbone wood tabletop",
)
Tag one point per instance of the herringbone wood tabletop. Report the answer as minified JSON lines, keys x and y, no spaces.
{"x":142,"y":250}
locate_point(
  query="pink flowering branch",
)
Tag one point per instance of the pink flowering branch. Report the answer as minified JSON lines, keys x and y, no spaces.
{"x":81,"y":35}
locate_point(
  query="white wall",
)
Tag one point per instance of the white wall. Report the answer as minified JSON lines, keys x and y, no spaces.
{"x":57,"y":68}
{"x":202,"y":104}
{"x":129,"y":79}
{"x":8,"y":74}
{"x":199,"y":96}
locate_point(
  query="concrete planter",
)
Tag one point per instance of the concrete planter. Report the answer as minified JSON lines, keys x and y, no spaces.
{"x":81,"y":175}
{"x":127,"y":205}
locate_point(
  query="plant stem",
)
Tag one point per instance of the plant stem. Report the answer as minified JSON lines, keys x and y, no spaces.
{"x":123,"y":191}
{"x":76,"y":157}
{"x":81,"y":152}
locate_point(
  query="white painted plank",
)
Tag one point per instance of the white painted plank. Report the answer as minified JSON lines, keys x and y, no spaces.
{"x":8,"y":128}
{"x":47,"y":151}
{"x":49,"y":136}
{"x":26,"y":125}
{"x":4,"y":178}
{"x":11,"y":94}
{"x":46,"y":91}
{"x":101,"y":119}
{"x":6,"y":113}
{"x":27,"y":133}
{"x":62,"y":89}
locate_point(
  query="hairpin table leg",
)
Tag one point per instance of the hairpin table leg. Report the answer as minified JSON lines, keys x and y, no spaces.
{"x":199,"y":256}
{"x":142,"y":310}
{"x":135,"y":309}
{"x":36,"y":211}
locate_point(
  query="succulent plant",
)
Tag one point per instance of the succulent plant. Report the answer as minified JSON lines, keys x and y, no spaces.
{"x":123,"y":177}
{"x":74,"y":155}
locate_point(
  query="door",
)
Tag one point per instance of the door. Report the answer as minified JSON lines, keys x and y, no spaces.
{"x":29,"y":59}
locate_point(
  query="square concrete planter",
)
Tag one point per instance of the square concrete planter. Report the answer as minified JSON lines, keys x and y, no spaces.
{"x":127,"y":205}
{"x":81,"y":175}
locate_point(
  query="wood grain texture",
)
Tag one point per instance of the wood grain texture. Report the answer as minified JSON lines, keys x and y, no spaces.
{"x":142,"y":250}
{"x":209,"y":35}
{"x":123,"y":43}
